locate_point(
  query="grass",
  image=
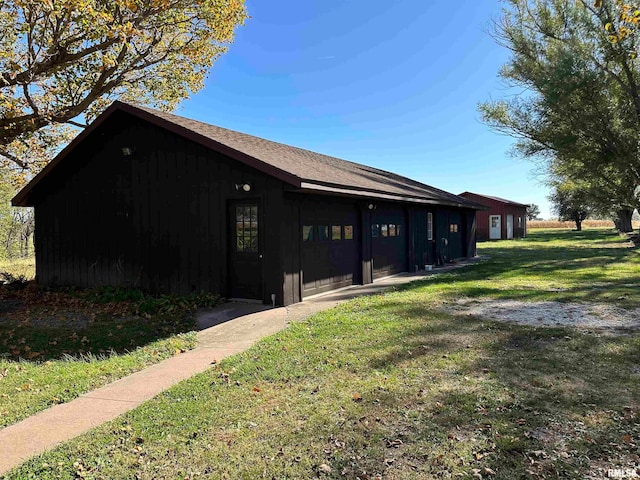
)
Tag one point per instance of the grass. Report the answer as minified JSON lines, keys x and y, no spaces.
{"x":391,"y":387}
{"x":19,"y":267}
{"x":57,"y":345}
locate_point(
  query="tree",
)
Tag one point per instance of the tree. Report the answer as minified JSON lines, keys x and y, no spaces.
{"x":570,"y":202}
{"x":533,"y":211}
{"x":610,"y":194}
{"x":16,"y":225}
{"x":63,"y":61}
{"x":579,"y":113}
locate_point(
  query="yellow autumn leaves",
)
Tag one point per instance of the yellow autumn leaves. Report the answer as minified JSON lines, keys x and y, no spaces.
{"x":60,"y":59}
{"x":628,"y":17}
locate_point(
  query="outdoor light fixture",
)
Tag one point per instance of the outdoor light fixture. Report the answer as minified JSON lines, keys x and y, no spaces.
{"x":127,"y":151}
{"x":245,"y":187}
{"x":371,"y":206}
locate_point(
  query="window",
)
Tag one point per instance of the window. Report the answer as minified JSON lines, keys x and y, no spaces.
{"x":495,"y":221}
{"x":453,"y":228}
{"x":429,"y":226}
{"x":336,"y":232}
{"x":392,"y":230}
{"x":348,"y":232}
{"x":375,"y":230}
{"x":323,"y":232}
{"x":307,"y":233}
{"x":384,"y":230}
{"x":247,"y":229}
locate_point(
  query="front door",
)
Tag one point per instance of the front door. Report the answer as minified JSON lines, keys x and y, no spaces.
{"x":495,"y":229}
{"x":245,"y":250}
{"x":509,"y":227}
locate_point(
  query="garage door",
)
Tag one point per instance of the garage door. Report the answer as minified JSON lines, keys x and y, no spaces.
{"x":388,"y":241}
{"x":330,"y":246}
{"x":456,"y":248}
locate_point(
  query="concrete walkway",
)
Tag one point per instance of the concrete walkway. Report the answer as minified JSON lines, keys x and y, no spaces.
{"x":229,"y":329}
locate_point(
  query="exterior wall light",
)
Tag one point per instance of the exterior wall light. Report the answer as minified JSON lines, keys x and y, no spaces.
{"x":371,"y":206}
{"x":127,"y":151}
{"x":245,"y":187}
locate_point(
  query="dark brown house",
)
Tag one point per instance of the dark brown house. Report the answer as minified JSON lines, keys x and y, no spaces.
{"x":167,"y":204}
{"x":501,"y":219}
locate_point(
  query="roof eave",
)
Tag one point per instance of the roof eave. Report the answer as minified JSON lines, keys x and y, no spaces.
{"x":319,"y":187}
{"x":23,"y":197}
{"x":184,"y":132}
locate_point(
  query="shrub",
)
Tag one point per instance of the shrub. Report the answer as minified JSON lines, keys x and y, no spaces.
{"x":141,"y":303}
{"x":13,"y":281}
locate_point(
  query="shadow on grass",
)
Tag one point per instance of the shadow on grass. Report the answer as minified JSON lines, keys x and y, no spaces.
{"x":580,"y":269}
{"x":38,"y":325}
{"x":524,"y":402}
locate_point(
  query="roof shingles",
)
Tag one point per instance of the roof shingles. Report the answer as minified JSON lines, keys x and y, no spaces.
{"x":311,"y":170}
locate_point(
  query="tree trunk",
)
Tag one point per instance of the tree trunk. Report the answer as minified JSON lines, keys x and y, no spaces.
{"x":578,"y":225}
{"x":623,"y":223}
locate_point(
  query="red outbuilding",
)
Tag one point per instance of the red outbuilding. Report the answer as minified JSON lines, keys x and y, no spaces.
{"x":503,"y":219}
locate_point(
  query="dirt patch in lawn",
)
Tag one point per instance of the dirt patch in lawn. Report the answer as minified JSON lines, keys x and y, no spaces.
{"x":595,"y":317}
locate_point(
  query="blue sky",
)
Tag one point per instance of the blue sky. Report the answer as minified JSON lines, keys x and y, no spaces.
{"x":393,"y":85}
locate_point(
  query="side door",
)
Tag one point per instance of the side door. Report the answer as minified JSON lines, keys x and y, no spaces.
{"x":245,"y":249}
{"x":495,"y":227}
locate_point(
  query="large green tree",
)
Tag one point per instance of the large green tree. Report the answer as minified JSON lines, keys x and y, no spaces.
{"x":578,"y":112}
{"x":570,"y":201}
{"x":63,"y":61}
{"x":533,"y":211}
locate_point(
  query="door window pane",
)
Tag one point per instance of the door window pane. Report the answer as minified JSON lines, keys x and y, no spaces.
{"x":392,"y":230}
{"x":375,"y":230}
{"x":384,"y":230}
{"x":247,"y":229}
{"x":398,"y":230}
{"x":336,"y":232}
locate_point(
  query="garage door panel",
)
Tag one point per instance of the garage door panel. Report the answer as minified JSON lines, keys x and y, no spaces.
{"x":330,"y":248}
{"x":388,"y":242}
{"x":455,"y":235}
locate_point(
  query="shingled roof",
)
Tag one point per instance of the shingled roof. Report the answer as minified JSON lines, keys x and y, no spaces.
{"x":303,"y":169}
{"x":497,"y":199}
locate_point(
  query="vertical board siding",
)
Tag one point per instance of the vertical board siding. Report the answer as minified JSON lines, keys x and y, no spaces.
{"x":155,"y":219}
{"x":497,"y":207}
{"x":390,"y":255}
{"x":158,"y":220}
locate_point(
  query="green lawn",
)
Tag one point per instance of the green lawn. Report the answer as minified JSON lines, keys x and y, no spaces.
{"x":25,"y":267}
{"x":389,"y":386}
{"x":57,"y":345}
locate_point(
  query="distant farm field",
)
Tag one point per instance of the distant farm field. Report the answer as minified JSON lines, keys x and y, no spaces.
{"x":531,"y":224}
